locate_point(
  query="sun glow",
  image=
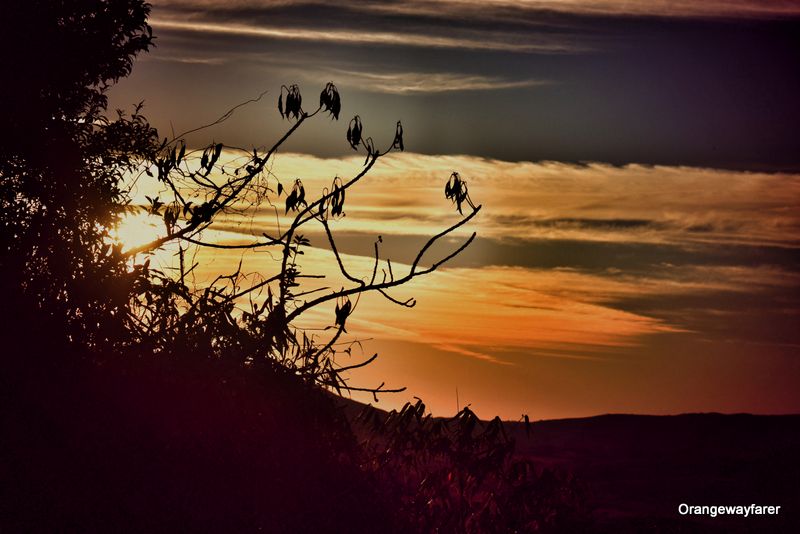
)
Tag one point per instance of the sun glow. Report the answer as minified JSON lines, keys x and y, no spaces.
{"x":137,"y":229}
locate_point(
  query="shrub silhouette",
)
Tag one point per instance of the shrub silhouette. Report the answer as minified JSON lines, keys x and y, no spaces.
{"x":136,"y":401}
{"x":460,"y":474}
{"x":62,"y":162}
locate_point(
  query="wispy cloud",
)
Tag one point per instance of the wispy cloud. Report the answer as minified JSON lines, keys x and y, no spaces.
{"x":659,"y":8}
{"x":664,"y":235}
{"x":189,"y":60}
{"x":493,"y":8}
{"x":595,"y":202}
{"x":422,"y":82}
{"x":693,"y":209}
{"x":488,"y":41}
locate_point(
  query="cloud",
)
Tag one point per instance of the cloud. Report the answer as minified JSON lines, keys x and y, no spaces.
{"x":190,"y":60}
{"x":657,"y":8}
{"x":652,"y":214}
{"x":429,"y":82}
{"x":494,"y":41}
{"x":679,"y":206}
{"x":493,"y":9}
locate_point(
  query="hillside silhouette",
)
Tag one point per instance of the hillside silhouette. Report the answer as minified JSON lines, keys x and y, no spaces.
{"x":638,"y":469}
{"x":155,"y":446}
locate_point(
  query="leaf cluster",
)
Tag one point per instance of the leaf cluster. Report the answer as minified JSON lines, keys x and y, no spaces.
{"x":294,"y":100}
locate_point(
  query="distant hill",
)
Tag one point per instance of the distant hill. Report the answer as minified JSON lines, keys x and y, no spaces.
{"x":645,"y":466}
{"x":637,"y":469}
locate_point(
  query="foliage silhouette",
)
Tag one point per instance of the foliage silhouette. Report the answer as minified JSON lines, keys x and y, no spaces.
{"x":62,"y":162}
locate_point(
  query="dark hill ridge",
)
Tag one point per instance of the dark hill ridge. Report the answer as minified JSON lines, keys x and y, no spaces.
{"x":648,"y":465}
{"x":638,"y":469}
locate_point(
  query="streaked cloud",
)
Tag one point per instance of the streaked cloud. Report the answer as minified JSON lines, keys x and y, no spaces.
{"x":486,"y":41}
{"x":190,"y":60}
{"x":657,"y":8}
{"x":524,"y":201}
{"x":429,"y":82}
{"x":548,"y":200}
{"x":632,"y":81}
{"x":489,"y":8}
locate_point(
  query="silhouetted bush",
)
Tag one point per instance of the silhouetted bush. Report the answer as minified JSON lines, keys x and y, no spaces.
{"x":460,"y":475}
{"x":62,"y":162}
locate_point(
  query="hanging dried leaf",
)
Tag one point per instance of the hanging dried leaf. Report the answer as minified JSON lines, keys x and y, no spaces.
{"x":398,"y":137}
{"x":296,"y":198}
{"x":343,"y":309}
{"x":291,"y":202}
{"x":354,"y":132}
{"x":293,"y":105}
{"x":456,"y":191}
{"x":329,"y":100}
{"x":301,"y":191}
{"x":337,"y":198}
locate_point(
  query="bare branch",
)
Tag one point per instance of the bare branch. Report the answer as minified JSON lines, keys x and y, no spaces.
{"x":441,"y":234}
{"x":408,"y":303}
{"x":225,"y":116}
{"x":221,"y":246}
{"x":400,"y":281}
{"x":336,"y":254}
{"x":359,"y":365}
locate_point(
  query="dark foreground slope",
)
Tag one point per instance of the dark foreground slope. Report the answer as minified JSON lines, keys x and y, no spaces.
{"x":144,"y":445}
{"x":639,"y":469}
{"x":148,"y":446}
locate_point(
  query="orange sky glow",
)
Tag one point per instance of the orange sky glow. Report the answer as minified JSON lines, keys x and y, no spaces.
{"x":517,"y":331}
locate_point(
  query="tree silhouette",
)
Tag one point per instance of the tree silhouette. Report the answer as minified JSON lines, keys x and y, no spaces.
{"x":62,"y":162}
{"x":63,"y":168}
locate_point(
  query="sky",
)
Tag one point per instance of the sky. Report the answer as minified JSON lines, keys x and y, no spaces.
{"x":637,"y":164}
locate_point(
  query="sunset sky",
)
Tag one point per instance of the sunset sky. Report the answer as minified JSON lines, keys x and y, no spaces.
{"x":638,"y":164}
